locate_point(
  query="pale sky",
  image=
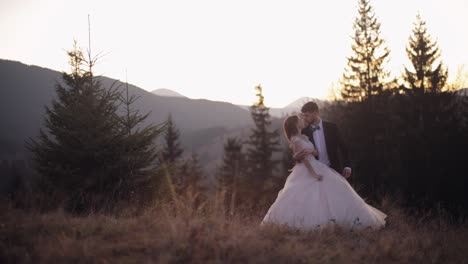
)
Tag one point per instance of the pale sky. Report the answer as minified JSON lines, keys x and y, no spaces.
{"x":219,"y":50}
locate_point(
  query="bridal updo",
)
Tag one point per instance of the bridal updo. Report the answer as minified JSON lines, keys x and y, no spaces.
{"x":290,"y":126}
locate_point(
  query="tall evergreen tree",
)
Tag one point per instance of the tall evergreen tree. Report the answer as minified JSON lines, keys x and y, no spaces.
{"x":172,"y":149}
{"x":233,"y":162}
{"x":232,"y":172}
{"x":261,"y":145}
{"x":138,"y":153}
{"x":365,"y":75}
{"x":190,"y":175}
{"x":423,"y":53}
{"x":84,"y":154}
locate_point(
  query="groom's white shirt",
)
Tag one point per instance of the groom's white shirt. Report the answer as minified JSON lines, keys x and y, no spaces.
{"x":319,"y":139}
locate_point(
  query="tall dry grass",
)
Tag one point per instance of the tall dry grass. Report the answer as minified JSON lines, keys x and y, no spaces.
{"x":180,"y":231}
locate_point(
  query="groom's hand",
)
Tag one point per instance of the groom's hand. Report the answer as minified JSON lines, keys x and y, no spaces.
{"x":346,"y":172}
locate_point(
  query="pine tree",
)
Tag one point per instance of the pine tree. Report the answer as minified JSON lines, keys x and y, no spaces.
{"x":84,"y":154}
{"x":365,"y":75}
{"x":233,"y":161}
{"x":423,"y":52}
{"x":172,"y":149}
{"x":190,"y":175}
{"x":231,"y":172}
{"x":139,"y":153}
{"x":261,"y":145}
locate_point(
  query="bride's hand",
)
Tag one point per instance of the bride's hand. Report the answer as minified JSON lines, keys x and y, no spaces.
{"x":303,"y":153}
{"x":300,"y":155}
{"x":314,"y":152}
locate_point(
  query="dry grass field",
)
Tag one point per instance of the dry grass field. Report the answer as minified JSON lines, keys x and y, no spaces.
{"x":179,"y":232}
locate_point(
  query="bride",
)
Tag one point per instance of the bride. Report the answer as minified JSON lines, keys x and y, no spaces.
{"x":315,"y":196}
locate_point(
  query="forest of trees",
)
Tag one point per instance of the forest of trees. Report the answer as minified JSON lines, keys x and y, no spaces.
{"x":407,"y":138}
{"x":407,"y":135}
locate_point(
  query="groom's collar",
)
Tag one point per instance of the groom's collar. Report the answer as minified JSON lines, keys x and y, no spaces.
{"x":319,"y":124}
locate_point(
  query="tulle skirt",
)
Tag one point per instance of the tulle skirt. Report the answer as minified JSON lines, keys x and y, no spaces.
{"x":307,"y":203}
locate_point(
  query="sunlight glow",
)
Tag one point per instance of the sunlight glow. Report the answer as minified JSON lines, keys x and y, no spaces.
{"x":219,"y":50}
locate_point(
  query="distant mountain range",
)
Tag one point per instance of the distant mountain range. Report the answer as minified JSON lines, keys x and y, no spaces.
{"x":291,"y":108}
{"x":275,"y":112}
{"x":204,"y":125}
{"x":27,"y":89}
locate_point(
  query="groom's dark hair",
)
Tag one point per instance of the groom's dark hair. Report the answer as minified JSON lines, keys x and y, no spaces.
{"x":309,"y":107}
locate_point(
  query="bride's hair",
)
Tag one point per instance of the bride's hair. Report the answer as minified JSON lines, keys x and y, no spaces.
{"x":290,"y":126}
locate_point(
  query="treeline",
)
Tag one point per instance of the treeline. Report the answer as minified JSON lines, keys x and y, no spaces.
{"x":413,"y":147}
{"x":366,"y":75}
{"x":408,"y":135}
{"x":407,"y":146}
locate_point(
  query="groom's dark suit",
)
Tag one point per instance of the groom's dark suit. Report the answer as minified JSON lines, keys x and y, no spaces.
{"x":336,"y":147}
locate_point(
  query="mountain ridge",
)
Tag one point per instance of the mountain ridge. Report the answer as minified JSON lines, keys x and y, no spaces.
{"x":167,"y":92}
{"x":26,"y":89}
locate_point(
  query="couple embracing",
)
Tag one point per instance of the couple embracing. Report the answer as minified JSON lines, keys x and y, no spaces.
{"x":316,"y":193}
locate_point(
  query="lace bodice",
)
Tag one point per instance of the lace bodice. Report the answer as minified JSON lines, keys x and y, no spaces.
{"x":300,"y":142}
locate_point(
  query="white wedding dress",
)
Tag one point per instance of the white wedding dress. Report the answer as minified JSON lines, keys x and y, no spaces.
{"x":307,"y":203}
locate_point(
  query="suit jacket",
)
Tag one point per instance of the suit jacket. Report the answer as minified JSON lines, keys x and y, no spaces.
{"x":337,"y":149}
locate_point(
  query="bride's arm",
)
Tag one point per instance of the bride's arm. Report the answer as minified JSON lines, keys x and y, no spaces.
{"x":311,"y":170}
{"x":297,"y":148}
{"x":304,"y":152}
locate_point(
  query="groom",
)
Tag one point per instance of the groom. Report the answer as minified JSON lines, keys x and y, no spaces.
{"x":326,"y":137}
